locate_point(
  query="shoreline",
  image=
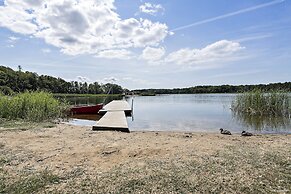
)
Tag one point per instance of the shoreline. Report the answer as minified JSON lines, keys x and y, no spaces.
{"x":86,"y":160}
{"x":236,"y":132}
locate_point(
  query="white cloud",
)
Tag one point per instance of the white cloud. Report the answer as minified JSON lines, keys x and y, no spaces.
{"x":78,"y":27}
{"x":13,"y":39}
{"x":220,"y":51}
{"x":82,"y":79}
{"x":153,"y":54}
{"x":115,"y":54}
{"x":151,"y":9}
{"x":110,"y":79}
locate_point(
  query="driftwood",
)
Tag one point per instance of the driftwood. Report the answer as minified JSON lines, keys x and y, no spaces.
{"x":109,"y":152}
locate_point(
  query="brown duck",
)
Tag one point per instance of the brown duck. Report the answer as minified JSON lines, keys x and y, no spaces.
{"x":244,"y":133}
{"x":224,"y":132}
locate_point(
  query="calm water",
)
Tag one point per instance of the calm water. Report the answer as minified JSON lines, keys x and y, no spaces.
{"x":193,"y":112}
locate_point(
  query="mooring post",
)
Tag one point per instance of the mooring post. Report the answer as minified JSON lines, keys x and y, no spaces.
{"x":132,"y":108}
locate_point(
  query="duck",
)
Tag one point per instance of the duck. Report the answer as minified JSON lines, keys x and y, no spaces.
{"x":224,"y":132}
{"x":244,"y":133}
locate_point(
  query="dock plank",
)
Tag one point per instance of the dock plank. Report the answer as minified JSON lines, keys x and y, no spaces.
{"x":116,"y":105}
{"x":114,"y":117}
{"x":112,"y":121}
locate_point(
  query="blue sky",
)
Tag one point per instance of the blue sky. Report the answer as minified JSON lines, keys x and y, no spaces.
{"x":149,"y":44}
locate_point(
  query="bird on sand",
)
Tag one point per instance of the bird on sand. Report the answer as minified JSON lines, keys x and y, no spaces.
{"x":244,"y":133}
{"x":224,"y":132}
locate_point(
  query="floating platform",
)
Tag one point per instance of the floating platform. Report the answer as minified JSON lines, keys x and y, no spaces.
{"x":116,"y":105}
{"x":114,"y":117}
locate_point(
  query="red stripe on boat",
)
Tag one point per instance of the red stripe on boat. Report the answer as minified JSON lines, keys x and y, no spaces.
{"x":86,"y":109}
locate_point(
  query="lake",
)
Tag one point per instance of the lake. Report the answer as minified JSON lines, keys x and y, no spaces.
{"x":190,"y":112}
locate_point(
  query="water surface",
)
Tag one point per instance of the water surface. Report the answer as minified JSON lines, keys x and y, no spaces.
{"x":196,"y":113}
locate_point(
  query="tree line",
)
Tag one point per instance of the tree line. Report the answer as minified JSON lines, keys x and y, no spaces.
{"x":217,"y":89}
{"x":19,"y":81}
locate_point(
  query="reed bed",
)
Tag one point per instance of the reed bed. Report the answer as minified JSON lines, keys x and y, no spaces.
{"x":31,"y":106}
{"x":260,"y":103}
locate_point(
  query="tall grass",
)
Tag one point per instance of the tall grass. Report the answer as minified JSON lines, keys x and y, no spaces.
{"x":31,"y":106}
{"x":259,"y":103}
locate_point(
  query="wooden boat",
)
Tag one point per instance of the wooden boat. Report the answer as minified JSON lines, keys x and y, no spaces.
{"x":90,"y":109}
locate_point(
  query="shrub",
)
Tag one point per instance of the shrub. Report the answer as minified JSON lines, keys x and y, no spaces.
{"x":6,"y":90}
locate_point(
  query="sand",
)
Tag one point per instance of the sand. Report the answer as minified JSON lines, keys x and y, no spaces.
{"x":65,"y":147}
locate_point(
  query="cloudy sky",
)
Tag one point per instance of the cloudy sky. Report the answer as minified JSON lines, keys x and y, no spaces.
{"x":149,"y":44}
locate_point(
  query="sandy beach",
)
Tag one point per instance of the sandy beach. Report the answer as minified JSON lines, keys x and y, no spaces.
{"x":82,"y":160}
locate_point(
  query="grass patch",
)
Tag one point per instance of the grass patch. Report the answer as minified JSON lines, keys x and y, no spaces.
{"x":48,"y":125}
{"x":23,"y":125}
{"x":239,"y":169}
{"x":3,"y":161}
{"x":29,"y":184}
{"x":13,"y":180}
{"x":31,"y":106}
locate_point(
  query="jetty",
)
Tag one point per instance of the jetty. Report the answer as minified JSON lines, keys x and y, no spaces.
{"x":114,"y":117}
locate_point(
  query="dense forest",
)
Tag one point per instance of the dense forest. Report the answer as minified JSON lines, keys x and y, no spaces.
{"x":216,"y":89}
{"x":19,"y":81}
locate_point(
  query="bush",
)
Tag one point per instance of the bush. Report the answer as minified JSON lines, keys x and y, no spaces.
{"x":31,"y":106}
{"x":6,"y":90}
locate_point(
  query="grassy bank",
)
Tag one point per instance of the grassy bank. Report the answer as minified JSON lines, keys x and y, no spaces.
{"x":31,"y":106}
{"x":22,"y":125}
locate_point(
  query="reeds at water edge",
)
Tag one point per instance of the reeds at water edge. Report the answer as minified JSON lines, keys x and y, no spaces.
{"x":31,"y":106}
{"x":260,"y":103}
{"x":260,"y":110}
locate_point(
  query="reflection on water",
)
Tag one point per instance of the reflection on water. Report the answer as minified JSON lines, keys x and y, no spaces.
{"x":81,"y":122}
{"x":197,"y":112}
{"x":86,"y":119}
{"x":181,"y":112}
{"x":263,"y":122}
{"x":193,"y":112}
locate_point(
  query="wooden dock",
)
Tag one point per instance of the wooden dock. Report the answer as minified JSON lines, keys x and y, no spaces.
{"x":116,"y":105}
{"x":114,"y":117}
